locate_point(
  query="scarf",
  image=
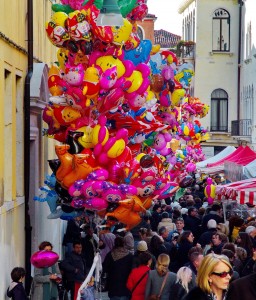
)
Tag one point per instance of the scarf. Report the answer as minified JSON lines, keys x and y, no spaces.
{"x":212,"y":296}
{"x":50,"y":290}
{"x":119,"y":253}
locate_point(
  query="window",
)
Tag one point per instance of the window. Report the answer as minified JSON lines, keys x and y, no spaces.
{"x":219,"y":110}
{"x":140,"y":33}
{"x":247,"y":98}
{"x":248,"y":46}
{"x":221,"y":30}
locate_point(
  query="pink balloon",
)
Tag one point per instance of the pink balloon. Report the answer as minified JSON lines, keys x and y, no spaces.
{"x":191,"y":167}
{"x":96,"y":204}
{"x":44,"y":259}
{"x":115,"y":172}
{"x":209,"y":180}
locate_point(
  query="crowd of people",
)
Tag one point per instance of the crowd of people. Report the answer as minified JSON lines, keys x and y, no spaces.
{"x":181,"y":250}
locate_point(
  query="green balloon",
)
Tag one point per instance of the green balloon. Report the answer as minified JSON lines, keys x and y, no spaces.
{"x":150,"y":140}
{"x":126,"y":6}
{"x":179,"y":193}
{"x":97,"y":3}
{"x":64,"y":8}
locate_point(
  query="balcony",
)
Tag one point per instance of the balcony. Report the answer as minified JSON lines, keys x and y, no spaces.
{"x":186,"y":49}
{"x":241,"y":127}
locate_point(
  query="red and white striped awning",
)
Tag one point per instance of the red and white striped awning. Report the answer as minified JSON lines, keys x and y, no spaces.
{"x":243,"y":191}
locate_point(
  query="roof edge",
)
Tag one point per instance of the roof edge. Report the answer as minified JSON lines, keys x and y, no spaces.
{"x":184,"y":4}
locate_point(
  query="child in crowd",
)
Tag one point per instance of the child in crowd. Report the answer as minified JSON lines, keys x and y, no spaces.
{"x":88,"y":292}
{"x":16,"y":289}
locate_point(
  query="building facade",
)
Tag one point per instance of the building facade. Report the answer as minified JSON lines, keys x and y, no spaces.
{"x":22,"y":33}
{"x":213,"y":26}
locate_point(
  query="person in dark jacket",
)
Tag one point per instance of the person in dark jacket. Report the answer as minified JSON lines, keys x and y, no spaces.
{"x":118,"y":265}
{"x":157,"y":246}
{"x":183,"y":284}
{"x":243,"y":288}
{"x":185,"y":243}
{"x":156,"y":217}
{"x":218,"y":240}
{"x":74,"y":268}
{"x":73,"y":233}
{"x":215,"y":213}
{"x":193,"y":223}
{"x":206,"y":237}
{"x":213,"y":279}
{"x":16,"y":289}
{"x":89,"y":246}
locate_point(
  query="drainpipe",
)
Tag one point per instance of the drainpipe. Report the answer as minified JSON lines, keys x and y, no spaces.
{"x":28,"y":227}
{"x":241,"y":3}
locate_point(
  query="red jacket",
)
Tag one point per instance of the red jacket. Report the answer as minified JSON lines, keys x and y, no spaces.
{"x":134,"y":277}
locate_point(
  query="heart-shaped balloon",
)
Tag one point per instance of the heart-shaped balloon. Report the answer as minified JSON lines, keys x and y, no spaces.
{"x":44,"y":259}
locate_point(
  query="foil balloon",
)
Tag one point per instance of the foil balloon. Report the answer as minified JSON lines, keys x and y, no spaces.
{"x":191,"y":167}
{"x":44,"y":259}
{"x":186,"y":181}
{"x":209,"y":190}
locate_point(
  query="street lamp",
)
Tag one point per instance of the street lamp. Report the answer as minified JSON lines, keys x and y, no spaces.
{"x":110,"y":14}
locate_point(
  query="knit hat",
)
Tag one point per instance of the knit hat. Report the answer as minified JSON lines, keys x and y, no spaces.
{"x":211,"y":224}
{"x":249,"y":229}
{"x":184,"y":211}
{"x":142,"y":246}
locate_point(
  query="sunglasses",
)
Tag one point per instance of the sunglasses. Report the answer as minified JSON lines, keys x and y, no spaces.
{"x":223,"y":274}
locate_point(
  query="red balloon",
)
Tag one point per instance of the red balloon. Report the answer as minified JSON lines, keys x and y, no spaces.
{"x":44,"y":259}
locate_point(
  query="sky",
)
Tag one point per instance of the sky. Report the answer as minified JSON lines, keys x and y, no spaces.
{"x":167,"y":16}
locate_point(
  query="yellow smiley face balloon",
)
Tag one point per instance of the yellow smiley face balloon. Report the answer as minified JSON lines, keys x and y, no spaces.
{"x":86,"y":139}
{"x":121,"y":34}
{"x":107,"y":62}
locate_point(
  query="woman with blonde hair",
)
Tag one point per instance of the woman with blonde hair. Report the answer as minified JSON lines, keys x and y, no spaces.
{"x":213,"y":279}
{"x":183,"y":284}
{"x":160,"y":281}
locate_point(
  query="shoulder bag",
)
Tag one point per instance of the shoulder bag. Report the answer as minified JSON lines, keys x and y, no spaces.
{"x":158,"y":297}
{"x":137,"y":283}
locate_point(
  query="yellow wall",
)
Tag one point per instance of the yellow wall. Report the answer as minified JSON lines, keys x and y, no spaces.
{"x":13,"y":68}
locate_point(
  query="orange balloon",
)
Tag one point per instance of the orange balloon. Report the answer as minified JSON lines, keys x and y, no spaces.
{"x":128,"y":212}
{"x":81,"y":169}
{"x":65,"y":161}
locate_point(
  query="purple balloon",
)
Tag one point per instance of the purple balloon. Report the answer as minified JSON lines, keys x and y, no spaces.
{"x":44,"y":259}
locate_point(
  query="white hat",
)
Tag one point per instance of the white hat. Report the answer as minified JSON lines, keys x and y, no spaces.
{"x":175,"y":205}
{"x":184,"y":211}
{"x":249,"y":229}
{"x":142,"y":246}
{"x":211,"y":224}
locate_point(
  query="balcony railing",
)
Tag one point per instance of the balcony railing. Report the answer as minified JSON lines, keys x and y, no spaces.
{"x":186,"y":49}
{"x":241,"y":127}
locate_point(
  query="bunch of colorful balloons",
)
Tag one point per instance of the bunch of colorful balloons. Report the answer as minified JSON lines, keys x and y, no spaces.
{"x":120,"y":107}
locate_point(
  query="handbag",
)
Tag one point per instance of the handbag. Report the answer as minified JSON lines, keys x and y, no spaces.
{"x":137,"y":283}
{"x":158,"y":297}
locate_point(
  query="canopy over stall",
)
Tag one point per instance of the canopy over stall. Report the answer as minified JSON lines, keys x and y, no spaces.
{"x":235,"y":161}
{"x":243,"y":191}
{"x":224,"y":153}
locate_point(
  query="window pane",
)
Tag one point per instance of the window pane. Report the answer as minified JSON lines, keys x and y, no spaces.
{"x":219,"y":93}
{"x":225,"y":35}
{"x":214,"y":112}
{"x":223,"y":115}
{"x":216,"y":34}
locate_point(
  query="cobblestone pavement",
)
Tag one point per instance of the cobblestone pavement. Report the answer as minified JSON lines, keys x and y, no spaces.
{"x":102,"y":296}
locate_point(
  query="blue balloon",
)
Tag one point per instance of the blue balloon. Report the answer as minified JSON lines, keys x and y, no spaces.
{"x":140,"y":54}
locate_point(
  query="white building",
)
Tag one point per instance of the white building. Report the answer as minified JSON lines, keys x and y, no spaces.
{"x":224,"y":67}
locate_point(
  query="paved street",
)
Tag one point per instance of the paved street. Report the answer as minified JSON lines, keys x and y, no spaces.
{"x":102,"y":296}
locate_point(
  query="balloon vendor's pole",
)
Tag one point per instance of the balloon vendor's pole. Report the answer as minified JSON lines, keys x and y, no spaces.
{"x":96,"y":261}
